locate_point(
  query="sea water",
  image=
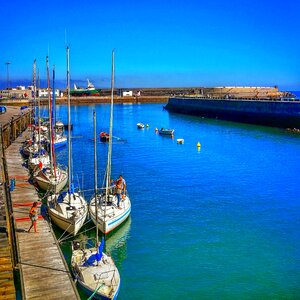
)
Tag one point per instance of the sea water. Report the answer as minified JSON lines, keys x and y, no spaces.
{"x":216,"y":222}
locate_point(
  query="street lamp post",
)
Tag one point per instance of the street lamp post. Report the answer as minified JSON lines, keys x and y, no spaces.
{"x":7,"y":74}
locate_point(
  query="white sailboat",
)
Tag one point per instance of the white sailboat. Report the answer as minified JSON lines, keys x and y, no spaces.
{"x":60,"y":139}
{"x":69,"y":209}
{"x":52,"y":178}
{"x":109,"y":216}
{"x":95,"y":272}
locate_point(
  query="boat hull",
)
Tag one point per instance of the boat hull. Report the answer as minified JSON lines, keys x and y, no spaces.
{"x":89,"y":292}
{"x":60,"y":143}
{"x":60,"y":216}
{"x":102,"y":275}
{"x":113,"y":218}
{"x":50,"y":184}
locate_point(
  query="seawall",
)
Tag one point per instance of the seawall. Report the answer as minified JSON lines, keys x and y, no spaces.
{"x":284,"y":114}
{"x":91,"y":100}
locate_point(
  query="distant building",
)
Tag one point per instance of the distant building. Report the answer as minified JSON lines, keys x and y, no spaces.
{"x":127,"y":93}
{"x":43,"y":93}
{"x":16,"y":93}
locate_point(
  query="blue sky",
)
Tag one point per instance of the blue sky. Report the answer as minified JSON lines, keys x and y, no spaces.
{"x":157,"y":43}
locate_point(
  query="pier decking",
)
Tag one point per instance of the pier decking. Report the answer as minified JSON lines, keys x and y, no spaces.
{"x":44,"y":273}
{"x":7,"y":286}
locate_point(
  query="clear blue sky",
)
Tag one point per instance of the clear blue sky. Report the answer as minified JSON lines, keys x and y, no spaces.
{"x":157,"y":43}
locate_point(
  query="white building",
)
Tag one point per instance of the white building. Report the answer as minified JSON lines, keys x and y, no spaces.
{"x":43,"y":93}
{"x":127,"y":93}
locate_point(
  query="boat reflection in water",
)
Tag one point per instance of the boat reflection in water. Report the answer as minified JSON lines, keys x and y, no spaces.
{"x":116,"y":242}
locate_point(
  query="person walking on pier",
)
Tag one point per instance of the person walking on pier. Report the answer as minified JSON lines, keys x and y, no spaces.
{"x":33,"y":215}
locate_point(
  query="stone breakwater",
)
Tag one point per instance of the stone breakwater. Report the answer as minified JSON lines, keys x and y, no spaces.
{"x":284,"y":114}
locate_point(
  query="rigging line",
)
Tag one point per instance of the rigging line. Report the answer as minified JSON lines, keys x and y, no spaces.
{"x":63,"y":233}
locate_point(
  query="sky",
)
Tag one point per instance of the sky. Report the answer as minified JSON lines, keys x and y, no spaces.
{"x":157,"y":43}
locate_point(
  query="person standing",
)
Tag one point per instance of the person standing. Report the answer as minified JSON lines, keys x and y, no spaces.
{"x":33,"y":215}
{"x":121,"y":189}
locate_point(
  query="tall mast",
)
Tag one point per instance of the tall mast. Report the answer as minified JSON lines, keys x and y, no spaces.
{"x":108,"y":168}
{"x":54,"y":97}
{"x":53,"y":123}
{"x":50,"y":115}
{"x":34,"y":90}
{"x":69,"y":123}
{"x":39,"y":109}
{"x":95,"y":176}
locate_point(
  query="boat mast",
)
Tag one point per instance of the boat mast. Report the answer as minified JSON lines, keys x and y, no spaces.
{"x":95,"y":176}
{"x":39,"y":109}
{"x":108,"y":168}
{"x":69,"y":124}
{"x":53,"y":98}
{"x":50,"y":115}
{"x":34,"y":91}
{"x":53,"y":123}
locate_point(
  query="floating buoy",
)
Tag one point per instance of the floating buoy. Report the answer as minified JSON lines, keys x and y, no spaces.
{"x":180,"y":141}
{"x":147,"y":125}
{"x":198,"y":145}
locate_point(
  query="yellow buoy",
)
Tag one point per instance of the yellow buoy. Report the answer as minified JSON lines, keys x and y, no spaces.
{"x":198,"y":145}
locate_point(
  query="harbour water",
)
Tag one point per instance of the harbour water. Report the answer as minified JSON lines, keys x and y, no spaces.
{"x":219,"y":222}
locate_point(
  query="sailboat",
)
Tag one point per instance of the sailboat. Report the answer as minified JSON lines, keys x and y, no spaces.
{"x":108,"y":215}
{"x":94,"y":271}
{"x":51,"y":178}
{"x":32,"y":145}
{"x":68,"y":210}
{"x":60,"y":139}
{"x":38,"y":156}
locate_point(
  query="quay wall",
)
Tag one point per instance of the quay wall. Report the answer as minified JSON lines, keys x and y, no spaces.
{"x":284,"y":114}
{"x":91,"y":100}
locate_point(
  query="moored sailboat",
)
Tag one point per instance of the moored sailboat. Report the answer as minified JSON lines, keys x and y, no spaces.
{"x":69,"y":209}
{"x":95,"y":272}
{"x":109,"y":213}
{"x":51,"y":178}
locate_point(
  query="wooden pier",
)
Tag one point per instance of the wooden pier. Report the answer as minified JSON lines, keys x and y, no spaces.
{"x":43,"y":270}
{"x":7,"y":286}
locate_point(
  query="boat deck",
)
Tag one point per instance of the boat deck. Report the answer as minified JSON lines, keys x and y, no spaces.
{"x":44,"y":272}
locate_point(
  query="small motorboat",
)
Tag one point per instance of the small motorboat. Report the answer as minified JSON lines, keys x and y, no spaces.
{"x":165,"y":131}
{"x":140,"y":125}
{"x":104,"y":136}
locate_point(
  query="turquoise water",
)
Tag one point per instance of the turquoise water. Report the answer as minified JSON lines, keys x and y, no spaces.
{"x":221,"y":222}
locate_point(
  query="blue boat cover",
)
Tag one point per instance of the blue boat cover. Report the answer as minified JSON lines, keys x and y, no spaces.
{"x":96,"y":256}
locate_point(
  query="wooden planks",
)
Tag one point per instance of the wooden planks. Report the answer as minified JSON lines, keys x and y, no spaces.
{"x":7,"y":286}
{"x":44,"y":272}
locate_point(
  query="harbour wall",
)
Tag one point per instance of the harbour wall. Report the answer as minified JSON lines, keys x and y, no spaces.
{"x":284,"y":114}
{"x":91,"y":100}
